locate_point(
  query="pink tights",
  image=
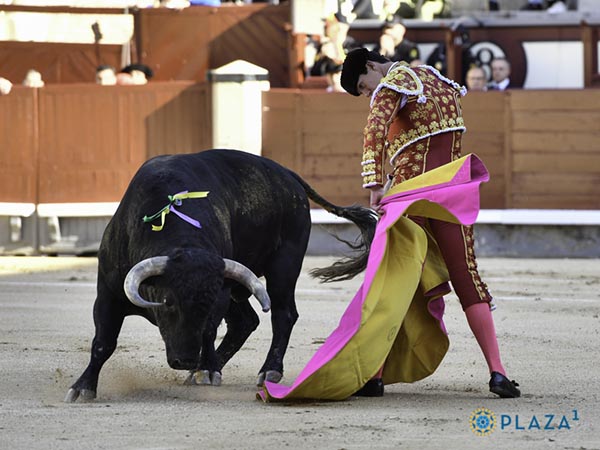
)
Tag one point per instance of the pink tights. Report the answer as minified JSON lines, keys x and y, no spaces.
{"x":481,"y":323}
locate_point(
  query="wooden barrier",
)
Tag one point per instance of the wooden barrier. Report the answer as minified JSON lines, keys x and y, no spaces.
{"x":590,"y":35}
{"x":486,"y":118}
{"x":541,"y":147}
{"x":19,"y":146}
{"x":184,"y":45}
{"x":58,"y":62}
{"x":554,"y":153}
{"x":83,"y":142}
{"x":176,"y":44}
{"x":318,"y":135}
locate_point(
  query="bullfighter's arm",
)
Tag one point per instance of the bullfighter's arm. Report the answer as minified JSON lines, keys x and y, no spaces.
{"x":384,"y":107}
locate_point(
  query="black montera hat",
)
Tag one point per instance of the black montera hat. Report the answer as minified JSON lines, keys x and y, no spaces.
{"x":354,"y":66}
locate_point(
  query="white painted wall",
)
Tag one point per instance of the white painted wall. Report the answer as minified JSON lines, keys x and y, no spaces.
{"x":553,"y":65}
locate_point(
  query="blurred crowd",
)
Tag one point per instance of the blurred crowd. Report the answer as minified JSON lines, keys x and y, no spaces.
{"x":325,"y":53}
{"x":132,"y":74}
{"x":106,"y":75}
{"x":32,"y":79}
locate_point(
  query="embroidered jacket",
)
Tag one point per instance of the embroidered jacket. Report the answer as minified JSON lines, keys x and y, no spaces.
{"x":408,"y":105}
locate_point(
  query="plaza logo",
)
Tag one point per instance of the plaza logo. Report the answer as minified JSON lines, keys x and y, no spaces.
{"x":484,"y":422}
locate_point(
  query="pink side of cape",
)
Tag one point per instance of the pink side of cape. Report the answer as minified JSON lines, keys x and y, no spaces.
{"x":459,"y":196}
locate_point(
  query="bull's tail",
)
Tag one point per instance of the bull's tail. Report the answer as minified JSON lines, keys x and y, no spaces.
{"x":365,"y":219}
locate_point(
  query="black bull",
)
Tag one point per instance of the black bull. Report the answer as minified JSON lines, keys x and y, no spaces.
{"x":255,"y":221}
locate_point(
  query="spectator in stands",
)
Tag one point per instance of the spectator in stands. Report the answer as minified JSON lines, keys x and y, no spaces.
{"x":500,"y":74}
{"x":336,"y":30}
{"x":33,"y":79}
{"x":332,"y":51}
{"x":5,"y":86}
{"x":325,"y":66}
{"x":407,"y":9}
{"x":476,"y":79}
{"x":434,"y":9}
{"x":393,"y":43}
{"x":438,"y":58}
{"x":364,"y":9}
{"x":140,"y":73}
{"x":125,"y":79}
{"x":106,"y":75}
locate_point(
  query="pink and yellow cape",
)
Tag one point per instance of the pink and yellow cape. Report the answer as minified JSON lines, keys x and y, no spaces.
{"x":396,"y":316}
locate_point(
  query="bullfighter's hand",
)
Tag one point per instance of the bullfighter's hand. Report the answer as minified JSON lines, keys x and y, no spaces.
{"x":376,"y":196}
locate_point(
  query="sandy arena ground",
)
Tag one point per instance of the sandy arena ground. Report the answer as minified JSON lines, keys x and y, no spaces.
{"x":547,"y":322}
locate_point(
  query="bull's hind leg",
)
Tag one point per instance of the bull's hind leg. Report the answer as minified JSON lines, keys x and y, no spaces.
{"x":109,"y":314}
{"x":281,"y":275}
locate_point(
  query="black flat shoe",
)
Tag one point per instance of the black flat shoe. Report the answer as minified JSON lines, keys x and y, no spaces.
{"x":373,"y":388}
{"x":502,"y":386}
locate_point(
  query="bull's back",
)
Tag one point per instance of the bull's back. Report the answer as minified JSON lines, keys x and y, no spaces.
{"x":268,"y":204}
{"x":253,"y":205}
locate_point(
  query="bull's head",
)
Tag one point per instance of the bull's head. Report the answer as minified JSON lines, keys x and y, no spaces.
{"x":185,"y":289}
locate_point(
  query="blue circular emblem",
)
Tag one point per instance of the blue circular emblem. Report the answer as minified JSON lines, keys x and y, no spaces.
{"x":482,"y":422}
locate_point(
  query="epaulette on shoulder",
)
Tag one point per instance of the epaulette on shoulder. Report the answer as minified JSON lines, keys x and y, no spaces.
{"x":402,"y":79}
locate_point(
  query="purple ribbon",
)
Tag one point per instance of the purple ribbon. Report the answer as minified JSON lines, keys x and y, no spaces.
{"x":188,"y":219}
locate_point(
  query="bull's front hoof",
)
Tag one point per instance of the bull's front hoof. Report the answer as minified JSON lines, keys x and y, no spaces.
{"x":273,"y":376}
{"x":204,"y":378}
{"x":85,"y":395}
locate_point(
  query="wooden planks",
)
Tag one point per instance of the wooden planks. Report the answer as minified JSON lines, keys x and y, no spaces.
{"x":19,"y":146}
{"x":93,"y":138}
{"x":540,"y":147}
{"x":57,"y":62}
{"x":484,"y":114}
{"x":319,"y":135}
{"x":83,"y":142}
{"x":555,"y":144}
{"x":185,"y":45}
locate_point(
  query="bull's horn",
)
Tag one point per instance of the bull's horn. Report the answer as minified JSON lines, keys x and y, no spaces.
{"x":144,"y":269}
{"x":246,"y":277}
